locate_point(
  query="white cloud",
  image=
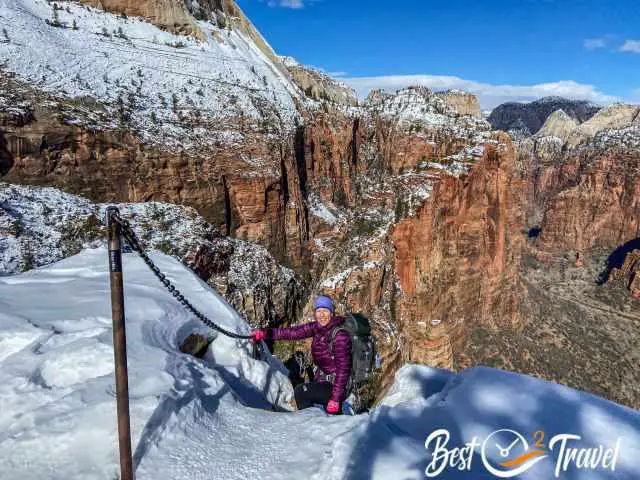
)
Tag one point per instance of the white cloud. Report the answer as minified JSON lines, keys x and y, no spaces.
{"x":635,"y":95}
{"x":631,"y":46}
{"x":595,"y":43}
{"x":490,"y":95}
{"x":290,"y":3}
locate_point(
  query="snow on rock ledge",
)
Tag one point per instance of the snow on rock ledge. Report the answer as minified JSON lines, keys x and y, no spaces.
{"x":39,"y":226}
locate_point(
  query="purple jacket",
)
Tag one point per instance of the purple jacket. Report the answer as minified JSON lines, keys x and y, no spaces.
{"x":338,"y":364}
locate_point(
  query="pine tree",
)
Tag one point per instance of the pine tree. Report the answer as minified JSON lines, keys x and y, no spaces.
{"x":175,"y":102}
{"x":56,"y":20}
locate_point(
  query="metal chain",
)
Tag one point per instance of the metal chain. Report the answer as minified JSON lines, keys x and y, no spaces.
{"x":131,"y":238}
{"x":303,"y":362}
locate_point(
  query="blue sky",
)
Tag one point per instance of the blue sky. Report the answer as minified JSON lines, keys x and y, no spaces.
{"x":500,"y":49}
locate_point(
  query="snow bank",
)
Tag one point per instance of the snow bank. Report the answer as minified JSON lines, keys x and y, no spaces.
{"x":475,"y":404}
{"x":320,"y":210}
{"x":56,"y":375}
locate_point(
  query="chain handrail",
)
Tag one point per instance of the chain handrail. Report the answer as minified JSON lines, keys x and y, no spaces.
{"x":130,"y":237}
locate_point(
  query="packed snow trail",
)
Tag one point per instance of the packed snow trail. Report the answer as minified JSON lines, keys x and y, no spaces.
{"x":213,"y":418}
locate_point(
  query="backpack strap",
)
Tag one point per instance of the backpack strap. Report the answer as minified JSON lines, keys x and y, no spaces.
{"x":334,"y":332}
{"x":349,"y":387}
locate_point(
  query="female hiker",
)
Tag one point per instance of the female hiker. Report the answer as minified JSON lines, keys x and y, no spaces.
{"x":331,"y":353}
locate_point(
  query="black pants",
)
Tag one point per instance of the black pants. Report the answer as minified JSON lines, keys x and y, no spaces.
{"x":311,"y":393}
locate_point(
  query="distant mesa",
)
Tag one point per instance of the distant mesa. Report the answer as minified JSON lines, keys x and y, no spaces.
{"x":563,"y":129}
{"x":528,"y":118}
{"x":462,"y":102}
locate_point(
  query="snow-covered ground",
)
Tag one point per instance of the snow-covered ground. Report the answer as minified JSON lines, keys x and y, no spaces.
{"x":320,"y":210}
{"x":57,"y":386}
{"x":212,"y":418}
{"x":339,"y":278}
{"x":167,"y":83}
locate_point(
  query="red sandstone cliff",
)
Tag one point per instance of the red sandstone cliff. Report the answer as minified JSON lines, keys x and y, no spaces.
{"x":457,"y":260}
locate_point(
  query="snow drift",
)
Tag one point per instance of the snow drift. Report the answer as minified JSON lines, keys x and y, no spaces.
{"x":217,"y":418}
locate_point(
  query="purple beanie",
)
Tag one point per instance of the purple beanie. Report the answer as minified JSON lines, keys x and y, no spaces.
{"x":324,"y":302}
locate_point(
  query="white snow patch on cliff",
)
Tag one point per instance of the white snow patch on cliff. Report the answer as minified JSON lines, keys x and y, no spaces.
{"x":320,"y":210}
{"x":41,"y":225}
{"x":339,"y":278}
{"x":173,"y":87}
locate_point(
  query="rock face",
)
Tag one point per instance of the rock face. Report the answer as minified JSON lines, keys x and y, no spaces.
{"x":168,"y":14}
{"x":457,"y":261}
{"x":586,"y":194}
{"x":319,"y":86}
{"x":629,"y":273}
{"x":462,"y":102}
{"x":592,"y":199}
{"x":417,"y":168}
{"x":530,"y":117}
{"x":559,"y":125}
{"x":180,"y":16}
{"x":248,"y":191}
{"x":249,"y":278}
{"x":613,"y":117}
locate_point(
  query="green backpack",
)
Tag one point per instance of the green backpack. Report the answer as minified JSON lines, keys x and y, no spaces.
{"x":364,"y":357}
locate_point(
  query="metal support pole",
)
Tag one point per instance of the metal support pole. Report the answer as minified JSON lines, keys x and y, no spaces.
{"x":119,"y":344}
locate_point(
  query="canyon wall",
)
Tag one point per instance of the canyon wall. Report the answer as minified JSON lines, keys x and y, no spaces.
{"x":457,"y":260}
